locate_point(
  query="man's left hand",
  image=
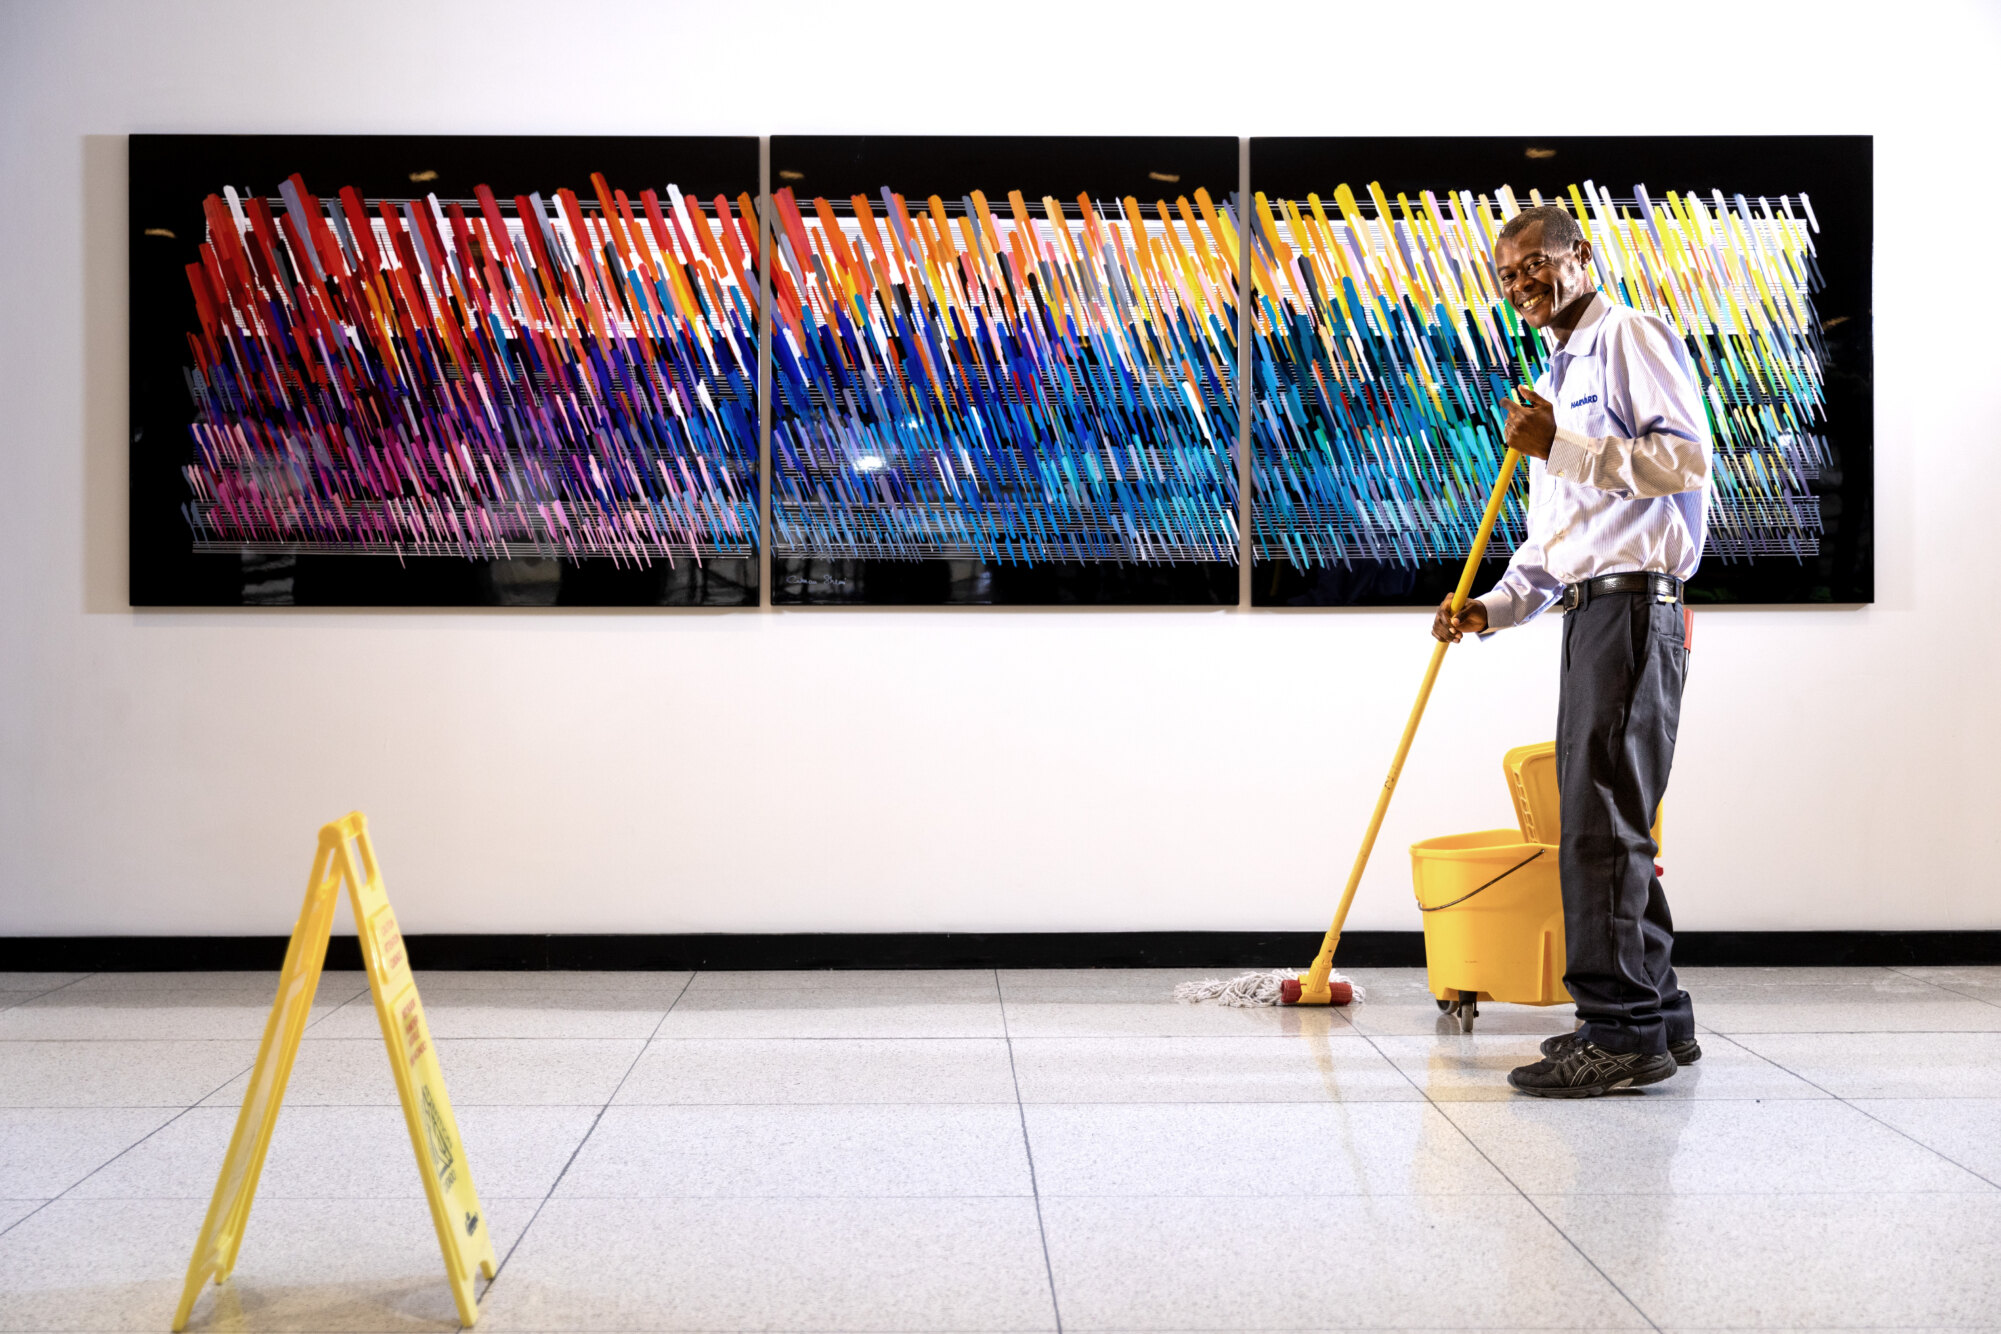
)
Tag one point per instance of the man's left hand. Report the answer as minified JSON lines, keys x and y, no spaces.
{"x":1532,"y":428}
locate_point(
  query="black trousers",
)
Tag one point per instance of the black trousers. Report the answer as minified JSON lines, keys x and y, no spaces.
{"x":1624,"y":660}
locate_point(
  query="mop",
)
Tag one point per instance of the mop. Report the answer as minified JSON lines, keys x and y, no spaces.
{"x":1320,"y":984}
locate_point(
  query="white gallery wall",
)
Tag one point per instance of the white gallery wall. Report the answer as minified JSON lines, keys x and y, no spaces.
{"x":165,"y":772}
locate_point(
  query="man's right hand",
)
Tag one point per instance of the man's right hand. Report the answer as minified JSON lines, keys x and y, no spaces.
{"x":1471,"y":620}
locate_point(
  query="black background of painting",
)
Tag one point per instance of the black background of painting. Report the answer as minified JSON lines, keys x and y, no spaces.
{"x":171,"y":174}
{"x":1835,"y":171}
{"x":1106,"y":167}
{"x":917,"y":166}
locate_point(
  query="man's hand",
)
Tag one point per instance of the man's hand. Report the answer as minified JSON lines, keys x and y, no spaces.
{"x":1532,"y":428}
{"x":1471,"y":620}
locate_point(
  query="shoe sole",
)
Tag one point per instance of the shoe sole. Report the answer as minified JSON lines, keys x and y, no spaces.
{"x":1581,"y":1091}
{"x":1594,"y":1090}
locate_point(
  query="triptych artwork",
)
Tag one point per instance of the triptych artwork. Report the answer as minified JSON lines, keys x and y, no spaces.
{"x":534,"y":371}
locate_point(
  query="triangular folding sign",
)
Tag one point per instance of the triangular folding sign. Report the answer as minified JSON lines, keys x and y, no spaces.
{"x":346,"y":858}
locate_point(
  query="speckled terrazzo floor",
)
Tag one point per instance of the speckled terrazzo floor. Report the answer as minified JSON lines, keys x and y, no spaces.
{"x":1027,"y":1150}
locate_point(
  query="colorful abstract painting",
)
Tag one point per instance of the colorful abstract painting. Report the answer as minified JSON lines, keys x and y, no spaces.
{"x":527,"y":382}
{"x":526,"y":370}
{"x":1006,"y":376}
{"x":1382,"y":348}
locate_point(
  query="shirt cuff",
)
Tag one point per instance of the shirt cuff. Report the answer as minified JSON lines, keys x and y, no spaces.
{"x":1500,"y":611}
{"x":1571,"y":456}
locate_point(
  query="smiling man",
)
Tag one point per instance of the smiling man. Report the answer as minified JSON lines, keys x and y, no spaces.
{"x":1618,"y":487}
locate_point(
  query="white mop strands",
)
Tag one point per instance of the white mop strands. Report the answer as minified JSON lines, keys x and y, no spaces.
{"x":1252,"y":989}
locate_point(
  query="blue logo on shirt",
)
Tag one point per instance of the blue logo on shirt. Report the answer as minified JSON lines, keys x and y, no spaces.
{"x":1588,"y":398}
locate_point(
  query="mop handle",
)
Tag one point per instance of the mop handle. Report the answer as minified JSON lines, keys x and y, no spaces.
{"x":1323,"y":962}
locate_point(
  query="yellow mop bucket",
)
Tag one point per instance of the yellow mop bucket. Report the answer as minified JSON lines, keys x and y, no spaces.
{"x":1493,"y":902}
{"x":1493,"y":920}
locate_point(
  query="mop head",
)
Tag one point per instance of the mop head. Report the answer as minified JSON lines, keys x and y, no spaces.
{"x":1252,"y":989}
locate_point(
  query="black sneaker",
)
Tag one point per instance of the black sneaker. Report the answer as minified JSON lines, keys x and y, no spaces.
{"x":1685,"y":1052}
{"x":1586,"y":1070}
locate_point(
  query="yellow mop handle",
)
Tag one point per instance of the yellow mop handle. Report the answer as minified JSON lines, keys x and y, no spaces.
{"x":1313,"y":988}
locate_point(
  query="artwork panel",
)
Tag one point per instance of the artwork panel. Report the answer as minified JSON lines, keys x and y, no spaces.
{"x":443,"y":371}
{"x":1382,"y":349}
{"x":1004,"y":371}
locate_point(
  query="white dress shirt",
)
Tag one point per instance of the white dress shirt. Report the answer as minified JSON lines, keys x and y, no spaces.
{"x":1627,"y":482}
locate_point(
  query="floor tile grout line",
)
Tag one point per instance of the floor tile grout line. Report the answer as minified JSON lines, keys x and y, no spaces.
{"x":1749,"y":1051}
{"x":1849,"y":1102}
{"x":1028,"y":1149}
{"x":1516,"y":1187}
{"x":569,"y":1162}
{"x":311,"y":1023}
{"x":30,"y":998}
{"x":193,"y":1106}
{"x":127,"y":1149}
{"x":1951,"y":991}
{"x":80,"y":977}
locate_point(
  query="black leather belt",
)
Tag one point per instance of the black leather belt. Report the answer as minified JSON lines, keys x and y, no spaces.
{"x":1662,"y":587}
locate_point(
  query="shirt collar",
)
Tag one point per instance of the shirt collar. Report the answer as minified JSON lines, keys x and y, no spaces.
{"x":1583,"y":339}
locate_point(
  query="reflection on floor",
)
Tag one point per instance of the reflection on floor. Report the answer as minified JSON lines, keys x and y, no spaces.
{"x":974,"y":1151}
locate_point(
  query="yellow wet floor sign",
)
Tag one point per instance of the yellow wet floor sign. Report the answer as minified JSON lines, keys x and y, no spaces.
{"x":346,"y":858}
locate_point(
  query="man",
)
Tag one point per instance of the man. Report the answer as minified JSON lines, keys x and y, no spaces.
{"x":1618,"y":484}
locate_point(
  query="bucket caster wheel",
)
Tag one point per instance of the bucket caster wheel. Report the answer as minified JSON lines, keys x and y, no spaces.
{"x":1469,"y":1010}
{"x":1445,"y":1005}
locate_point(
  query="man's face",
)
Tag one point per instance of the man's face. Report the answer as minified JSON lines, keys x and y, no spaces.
{"x":1537,"y":283}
